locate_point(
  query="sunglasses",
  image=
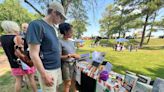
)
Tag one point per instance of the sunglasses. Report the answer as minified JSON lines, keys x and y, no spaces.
{"x":59,"y":14}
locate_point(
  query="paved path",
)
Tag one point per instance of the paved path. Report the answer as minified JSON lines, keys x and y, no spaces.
{"x":4,"y":65}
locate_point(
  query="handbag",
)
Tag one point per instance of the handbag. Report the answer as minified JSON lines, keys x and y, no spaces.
{"x":19,"y":51}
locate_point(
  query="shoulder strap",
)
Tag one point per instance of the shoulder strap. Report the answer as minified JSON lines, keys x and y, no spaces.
{"x":18,"y":41}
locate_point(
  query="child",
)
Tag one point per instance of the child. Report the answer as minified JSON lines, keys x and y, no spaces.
{"x":68,"y":56}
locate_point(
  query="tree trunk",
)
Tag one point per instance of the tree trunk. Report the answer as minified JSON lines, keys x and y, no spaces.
{"x":119,"y":34}
{"x":108,"y":37}
{"x":124,"y":34}
{"x":78,"y":35}
{"x":149,"y":37}
{"x":151,"y":27}
{"x":144,"y":29}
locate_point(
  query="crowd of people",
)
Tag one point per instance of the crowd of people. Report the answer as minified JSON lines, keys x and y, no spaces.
{"x":38,"y":43}
{"x":121,"y":47}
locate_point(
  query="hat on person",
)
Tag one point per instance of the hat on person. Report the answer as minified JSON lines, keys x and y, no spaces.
{"x":58,"y":7}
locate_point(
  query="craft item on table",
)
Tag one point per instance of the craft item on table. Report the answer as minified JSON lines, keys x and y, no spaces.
{"x":108,"y":67}
{"x":121,"y":89}
{"x":112,"y":75}
{"x":100,"y":87}
{"x":158,"y":85}
{"x":120,"y":76}
{"x":104,"y":63}
{"x":98,"y":56}
{"x":104,"y":75}
{"x":82,"y":65}
{"x":96,"y":64}
{"x":103,"y":86}
{"x":92,"y":70}
{"x":115,"y":75}
{"x":85,"y":57}
{"x":101,"y":67}
{"x":94,"y":75}
{"x":111,"y":84}
{"x":119,"y":79}
{"x":130,"y":82}
{"x":144,"y":79}
{"x":142,"y":87}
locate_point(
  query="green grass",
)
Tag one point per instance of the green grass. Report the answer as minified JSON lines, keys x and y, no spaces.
{"x":7,"y":83}
{"x":147,"y":61}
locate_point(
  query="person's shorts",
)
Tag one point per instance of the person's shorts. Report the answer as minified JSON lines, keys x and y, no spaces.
{"x":57,"y":76}
{"x":68,"y":71}
{"x":21,"y":72}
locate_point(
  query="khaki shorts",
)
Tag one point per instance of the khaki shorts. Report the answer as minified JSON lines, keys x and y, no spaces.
{"x":68,"y":71}
{"x":57,"y":76}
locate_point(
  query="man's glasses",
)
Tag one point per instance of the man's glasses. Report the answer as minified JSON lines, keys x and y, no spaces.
{"x":59,"y":14}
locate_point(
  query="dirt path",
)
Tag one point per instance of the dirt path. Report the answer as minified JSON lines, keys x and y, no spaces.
{"x":4,"y":65}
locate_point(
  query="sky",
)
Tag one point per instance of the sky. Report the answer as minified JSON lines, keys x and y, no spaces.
{"x":94,"y":27}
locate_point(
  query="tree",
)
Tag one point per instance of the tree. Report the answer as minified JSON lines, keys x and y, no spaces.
{"x":160,"y":25}
{"x":151,"y":29}
{"x":148,"y":7}
{"x":151,"y":7}
{"x":16,"y":13}
{"x":44,"y":3}
{"x":109,"y":22}
{"x":75,"y":9}
{"x":116,"y":21}
{"x":79,"y":28}
{"x":78,"y":14}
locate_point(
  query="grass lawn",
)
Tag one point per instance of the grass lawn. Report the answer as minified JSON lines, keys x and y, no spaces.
{"x":148,"y":61}
{"x":7,"y":83}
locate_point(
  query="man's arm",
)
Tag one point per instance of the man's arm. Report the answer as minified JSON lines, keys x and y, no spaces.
{"x":34,"y":54}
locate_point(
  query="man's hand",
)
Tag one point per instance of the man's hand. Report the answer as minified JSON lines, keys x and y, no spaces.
{"x":48,"y":80}
{"x":34,"y":54}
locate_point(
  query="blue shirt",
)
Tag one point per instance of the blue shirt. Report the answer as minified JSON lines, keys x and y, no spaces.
{"x":39,"y":32}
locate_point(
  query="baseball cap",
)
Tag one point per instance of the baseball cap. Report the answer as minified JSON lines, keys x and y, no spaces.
{"x":58,"y":7}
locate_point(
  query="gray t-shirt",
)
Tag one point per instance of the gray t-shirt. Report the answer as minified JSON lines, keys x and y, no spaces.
{"x":39,"y":32}
{"x":67,"y":47}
